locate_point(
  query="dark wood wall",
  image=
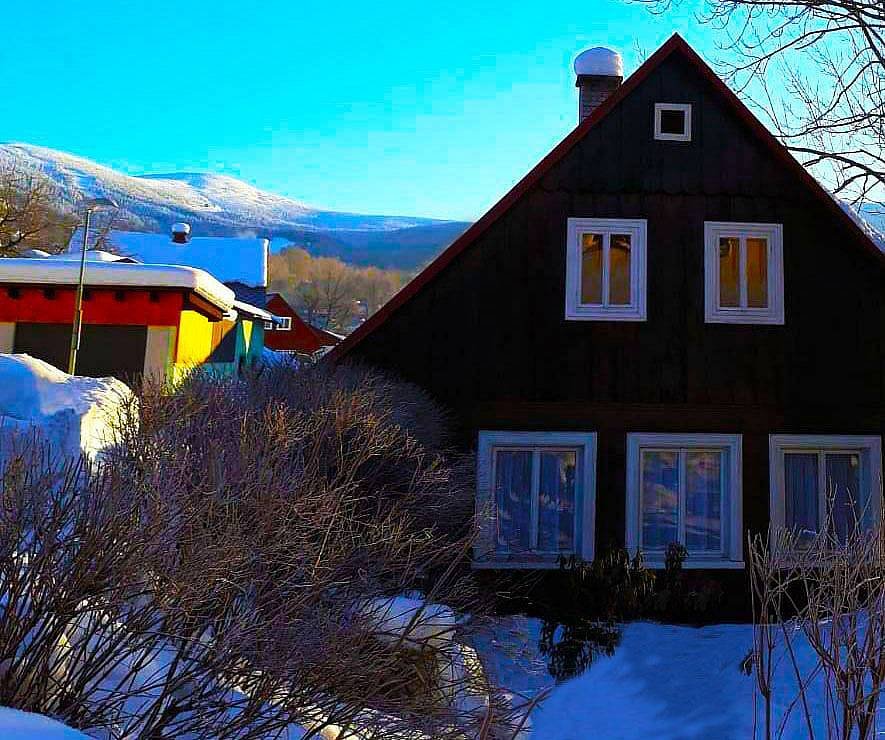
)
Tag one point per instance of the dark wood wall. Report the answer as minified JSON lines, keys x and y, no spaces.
{"x":487,"y":337}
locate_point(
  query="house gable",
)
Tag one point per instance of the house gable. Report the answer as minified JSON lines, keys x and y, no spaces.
{"x":673,"y":70}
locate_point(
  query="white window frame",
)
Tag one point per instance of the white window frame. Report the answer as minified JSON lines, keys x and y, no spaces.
{"x":684,"y":108}
{"x":716,"y":314}
{"x":868,"y":446}
{"x":285,"y":323}
{"x":485,"y":554}
{"x":732,"y":505}
{"x":637,"y":228}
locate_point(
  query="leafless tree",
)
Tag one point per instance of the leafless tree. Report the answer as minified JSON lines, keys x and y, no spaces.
{"x":234,"y":566}
{"x":29,"y":212}
{"x":819,"y":613}
{"x":815,"y":70}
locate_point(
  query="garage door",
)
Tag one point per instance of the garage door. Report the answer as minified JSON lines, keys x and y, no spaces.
{"x":104,"y":350}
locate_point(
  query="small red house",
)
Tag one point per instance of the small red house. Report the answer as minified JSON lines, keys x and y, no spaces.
{"x":292,"y":334}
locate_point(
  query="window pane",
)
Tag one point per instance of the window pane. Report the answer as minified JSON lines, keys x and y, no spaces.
{"x":843,"y":492}
{"x":513,"y":500}
{"x":703,"y":501}
{"x":660,"y":498}
{"x":619,"y":256}
{"x":591,"y":268}
{"x":556,"y":502}
{"x":757,"y":273}
{"x":729,"y":272}
{"x":800,"y":482}
{"x":672,"y":121}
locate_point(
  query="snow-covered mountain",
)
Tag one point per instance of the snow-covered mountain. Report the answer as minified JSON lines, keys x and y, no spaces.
{"x":221,"y":205}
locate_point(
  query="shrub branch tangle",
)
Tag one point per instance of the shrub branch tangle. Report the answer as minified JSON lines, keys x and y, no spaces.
{"x":220,"y":575}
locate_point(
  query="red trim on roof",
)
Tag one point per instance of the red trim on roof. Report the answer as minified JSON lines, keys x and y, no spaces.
{"x":673,"y":44}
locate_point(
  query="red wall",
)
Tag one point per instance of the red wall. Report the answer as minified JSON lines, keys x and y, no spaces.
{"x":300,"y":338}
{"x":102,"y":306}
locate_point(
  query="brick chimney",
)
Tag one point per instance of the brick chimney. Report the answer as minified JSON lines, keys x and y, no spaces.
{"x":600,"y":72}
{"x":181,"y":233}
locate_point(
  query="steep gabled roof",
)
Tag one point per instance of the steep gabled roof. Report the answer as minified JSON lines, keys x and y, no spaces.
{"x":674,"y":45}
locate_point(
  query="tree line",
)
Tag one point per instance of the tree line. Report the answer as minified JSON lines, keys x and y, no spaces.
{"x":328,"y":293}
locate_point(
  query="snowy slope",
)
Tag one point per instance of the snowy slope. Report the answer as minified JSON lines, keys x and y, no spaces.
{"x":16,"y":725}
{"x":220,"y":205}
{"x":664,"y":682}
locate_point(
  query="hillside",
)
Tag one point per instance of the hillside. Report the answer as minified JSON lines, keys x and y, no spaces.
{"x":221,"y":205}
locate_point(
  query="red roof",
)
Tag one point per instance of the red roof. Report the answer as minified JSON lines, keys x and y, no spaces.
{"x":301,"y":337}
{"x":675,"y":44}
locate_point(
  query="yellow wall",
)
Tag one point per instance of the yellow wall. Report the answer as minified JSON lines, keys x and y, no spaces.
{"x":194,"y":338}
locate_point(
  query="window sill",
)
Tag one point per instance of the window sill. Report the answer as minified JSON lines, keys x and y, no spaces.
{"x":515,"y":564}
{"x":743,"y":317}
{"x":698,"y":564}
{"x":628,"y":313}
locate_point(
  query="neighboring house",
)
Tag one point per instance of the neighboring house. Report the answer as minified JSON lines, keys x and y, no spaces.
{"x":138,"y":320}
{"x":291,"y":334}
{"x":240,"y":263}
{"x":668,"y":331}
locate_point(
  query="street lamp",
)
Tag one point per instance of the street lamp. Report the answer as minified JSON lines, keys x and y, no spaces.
{"x":93,"y":204}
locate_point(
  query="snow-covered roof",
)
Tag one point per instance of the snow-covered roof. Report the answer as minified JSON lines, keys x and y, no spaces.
{"x":253,"y":311}
{"x":876,"y":236}
{"x":599,"y":61}
{"x":229,"y":259}
{"x":117,"y":274}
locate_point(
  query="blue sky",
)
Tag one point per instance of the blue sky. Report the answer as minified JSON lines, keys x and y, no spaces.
{"x":431,"y":109}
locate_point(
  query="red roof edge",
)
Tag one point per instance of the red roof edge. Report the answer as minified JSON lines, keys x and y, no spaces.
{"x":674,"y":43}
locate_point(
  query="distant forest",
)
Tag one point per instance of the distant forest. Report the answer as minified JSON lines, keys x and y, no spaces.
{"x":329,"y":293}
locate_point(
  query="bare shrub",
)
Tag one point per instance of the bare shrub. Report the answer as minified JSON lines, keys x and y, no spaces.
{"x":819,"y":611}
{"x":235,"y":564}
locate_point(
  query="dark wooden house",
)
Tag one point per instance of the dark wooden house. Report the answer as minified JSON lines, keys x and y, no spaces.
{"x":668,"y":331}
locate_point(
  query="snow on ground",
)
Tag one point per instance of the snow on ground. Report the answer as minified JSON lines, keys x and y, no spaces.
{"x":16,"y":725}
{"x":70,"y":413}
{"x":663,"y":681}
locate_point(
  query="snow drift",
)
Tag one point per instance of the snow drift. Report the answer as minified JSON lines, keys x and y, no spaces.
{"x":72,"y":414}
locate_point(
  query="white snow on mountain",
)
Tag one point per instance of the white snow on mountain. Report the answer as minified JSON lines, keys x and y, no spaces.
{"x":217,"y":201}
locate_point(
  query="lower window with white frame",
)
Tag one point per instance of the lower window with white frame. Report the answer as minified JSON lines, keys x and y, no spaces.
{"x":535,"y":498}
{"x":685,"y":489}
{"x":825,"y":483}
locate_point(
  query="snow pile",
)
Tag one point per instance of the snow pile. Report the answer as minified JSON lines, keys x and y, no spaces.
{"x":663,"y":682}
{"x":16,"y":725}
{"x":71,"y":413}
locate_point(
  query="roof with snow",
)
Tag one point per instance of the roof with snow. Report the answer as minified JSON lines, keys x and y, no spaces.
{"x":229,"y":259}
{"x":116,"y":274}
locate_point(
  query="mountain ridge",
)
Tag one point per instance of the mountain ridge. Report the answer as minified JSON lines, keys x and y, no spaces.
{"x":222,"y":205}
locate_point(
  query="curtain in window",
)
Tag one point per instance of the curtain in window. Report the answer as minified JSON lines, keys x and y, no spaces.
{"x":801,"y":492}
{"x":843,"y":493}
{"x":556,"y":502}
{"x":619,"y":256}
{"x":660,"y":498}
{"x":591,"y":269}
{"x":513,"y":500}
{"x":729,"y":272}
{"x":757,"y":273}
{"x":703,"y":501}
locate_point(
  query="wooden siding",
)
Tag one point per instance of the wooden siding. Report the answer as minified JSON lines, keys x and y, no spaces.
{"x":487,"y":335}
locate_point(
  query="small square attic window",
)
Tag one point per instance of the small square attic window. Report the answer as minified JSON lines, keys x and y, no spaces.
{"x":673,"y":121}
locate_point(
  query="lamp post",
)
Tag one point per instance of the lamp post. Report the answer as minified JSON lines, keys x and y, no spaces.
{"x":94,"y":204}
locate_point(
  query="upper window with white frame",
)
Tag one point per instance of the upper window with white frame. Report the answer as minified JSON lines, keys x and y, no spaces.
{"x":605,"y":269}
{"x":673,"y":121}
{"x":743,"y":273}
{"x":825,"y":483}
{"x":685,"y":489}
{"x":535,"y":497}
